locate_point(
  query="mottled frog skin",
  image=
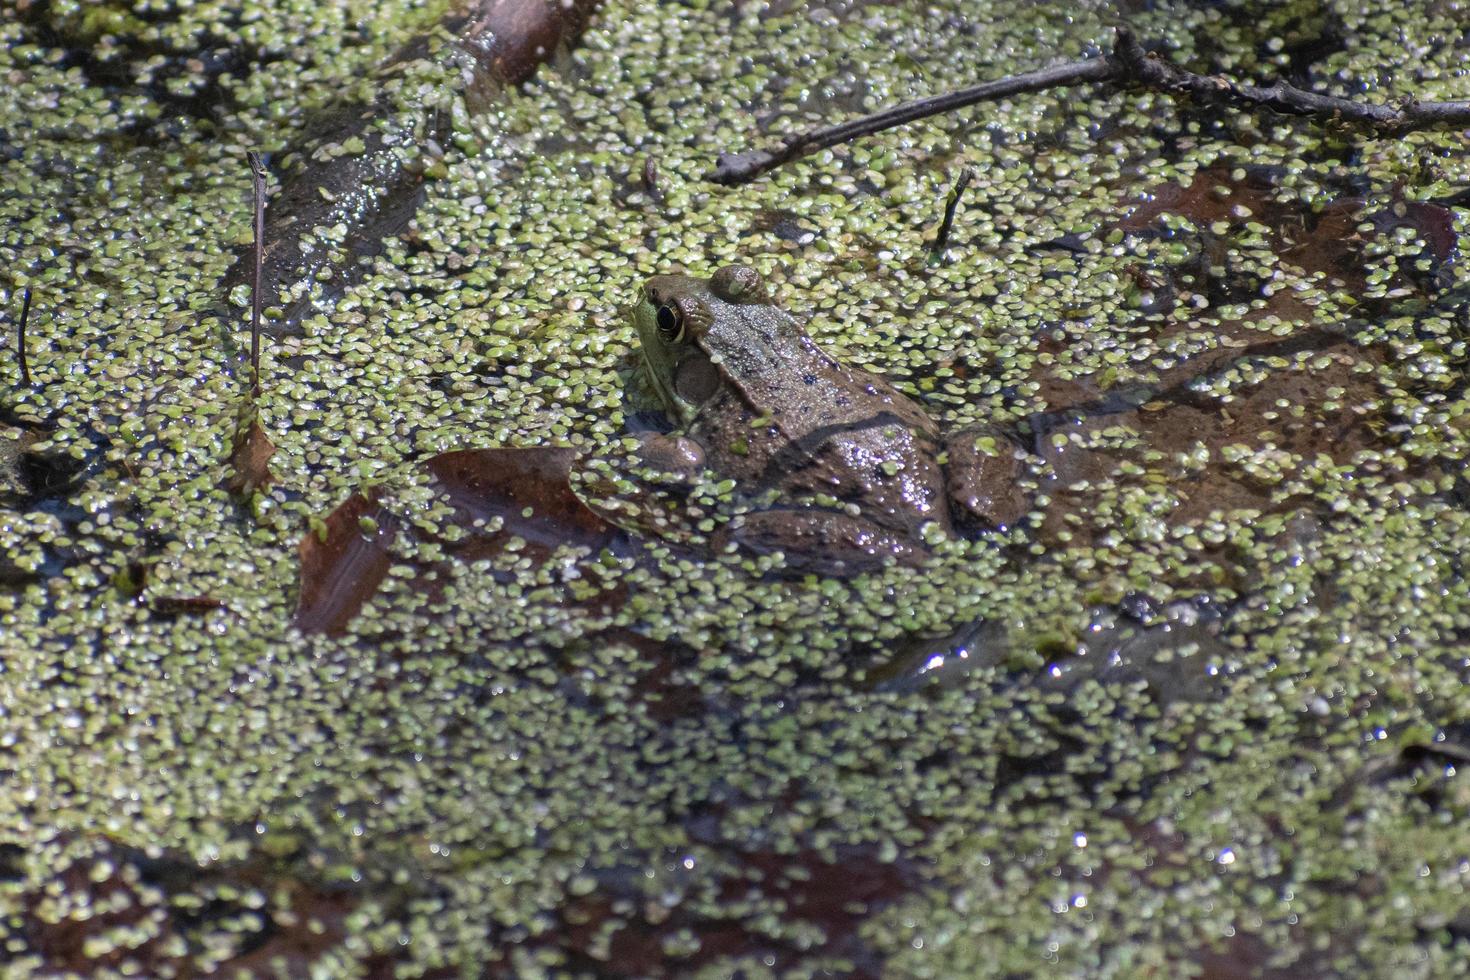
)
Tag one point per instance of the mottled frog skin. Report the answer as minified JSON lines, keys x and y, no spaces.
{"x":773,"y":411}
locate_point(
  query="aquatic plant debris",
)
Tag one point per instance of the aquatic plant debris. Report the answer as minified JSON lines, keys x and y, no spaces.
{"x":1194,"y":712}
{"x":257,"y":265}
{"x":1128,"y":63}
{"x":359,"y":176}
{"x":499,"y":497}
{"x":343,"y":563}
{"x":250,"y":458}
{"x":21,"y":354}
{"x":951,"y":205}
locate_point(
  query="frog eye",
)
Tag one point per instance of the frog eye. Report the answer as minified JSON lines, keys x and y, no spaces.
{"x":683,"y":317}
{"x":670,"y":324}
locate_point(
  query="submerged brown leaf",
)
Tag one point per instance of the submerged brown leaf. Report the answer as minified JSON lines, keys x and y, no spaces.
{"x":372,"y":194}
{"x":342,"y":567}
{"x":1331,"y":239}
{"x":528,"y":489}
{"x":251,"y":460}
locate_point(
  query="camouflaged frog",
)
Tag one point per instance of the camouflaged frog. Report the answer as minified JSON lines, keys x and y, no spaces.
{"x":853,"y":465}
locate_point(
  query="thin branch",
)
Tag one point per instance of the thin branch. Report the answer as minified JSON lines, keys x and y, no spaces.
{"x":1128,"y":63}
{"x":1154,"y":71}
{"x":257,"y":169}
{"x":739,"y":168}
{"x":20,"y":338}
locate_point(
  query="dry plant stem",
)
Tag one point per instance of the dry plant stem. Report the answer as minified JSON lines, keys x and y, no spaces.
{"x":257,"y":170}
{"x":739,"y":168}
{"x":1128,"y":63}
{"x":20,"y":337}
{"x":1155,"y":72}
{"x":951,"y":205}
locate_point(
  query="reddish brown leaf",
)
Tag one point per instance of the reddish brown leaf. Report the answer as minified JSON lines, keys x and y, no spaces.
{"x":509,"y":38}
{"x":343,"y":569}
{"x":251,"y":459}
{"x":528,"y":488}
{"x":1325,"y":240}
{"x":1433,"y":223}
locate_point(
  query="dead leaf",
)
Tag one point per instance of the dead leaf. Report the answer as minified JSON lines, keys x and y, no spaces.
{"x":251,"y":459}
{"x":529,"y":489}
{"x":342,"y":567}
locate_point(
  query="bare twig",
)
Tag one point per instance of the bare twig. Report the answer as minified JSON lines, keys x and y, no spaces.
{"x":951,"y":205}
{"x":739,"y":168}
{"x":1128,"y":63}
{"x":257,"y":169}
{"x":20,"y":337}
{"x":1156,"y":72}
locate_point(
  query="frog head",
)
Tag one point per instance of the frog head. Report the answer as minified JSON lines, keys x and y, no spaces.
{"x":673,"y":317}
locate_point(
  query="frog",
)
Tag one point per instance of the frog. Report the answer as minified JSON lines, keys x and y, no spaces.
{"x":853,"y":472}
